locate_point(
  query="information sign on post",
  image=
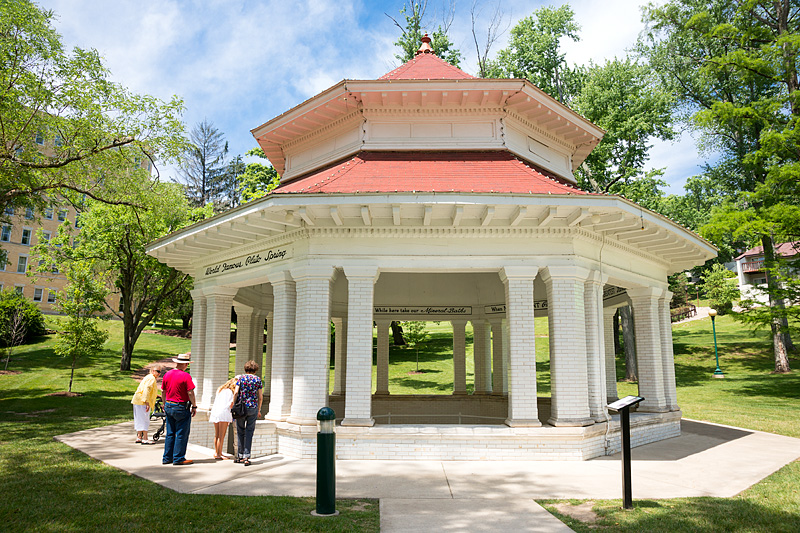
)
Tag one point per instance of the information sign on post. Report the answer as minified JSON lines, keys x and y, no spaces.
{"x":623,"y":406}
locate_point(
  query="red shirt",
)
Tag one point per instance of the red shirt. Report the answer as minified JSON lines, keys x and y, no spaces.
{"x":176,"y":385}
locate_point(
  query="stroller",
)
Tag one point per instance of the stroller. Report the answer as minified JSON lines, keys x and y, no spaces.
{"x":156,"y":413}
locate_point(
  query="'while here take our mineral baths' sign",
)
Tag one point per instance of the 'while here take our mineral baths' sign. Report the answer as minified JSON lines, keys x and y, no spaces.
{"x":247,"y":261}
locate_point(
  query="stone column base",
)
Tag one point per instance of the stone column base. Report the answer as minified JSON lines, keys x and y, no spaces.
{"x":570,"y":422}
{"x":523,"y":423}
{"x":362,"y":422}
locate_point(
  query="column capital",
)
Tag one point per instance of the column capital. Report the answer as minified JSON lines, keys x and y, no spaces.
{"x":459,"y":323}
{"x":645,"y":292}
{"x":279,"y":276}
{"x":220,"y":290}
{"x":371,"y":272}
{"x":566,"y":272}
{"x":609,"y":311}
{"x":197,"y":293}
{"x":383,"y":322}
{"x":312,"y":272}
{"x":595,"y":276}
{"x":244,"y":310}
{"x":518,"y":272}
{"x":667,"y":295}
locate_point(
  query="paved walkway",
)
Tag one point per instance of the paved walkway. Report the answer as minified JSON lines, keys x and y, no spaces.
{"x":706,"y":460}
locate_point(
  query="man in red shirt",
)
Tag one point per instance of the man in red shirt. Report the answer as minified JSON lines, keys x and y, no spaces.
{"x":177,"y":393}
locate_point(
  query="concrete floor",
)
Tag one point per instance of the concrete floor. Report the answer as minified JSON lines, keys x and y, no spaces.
{"x":706,"y":460}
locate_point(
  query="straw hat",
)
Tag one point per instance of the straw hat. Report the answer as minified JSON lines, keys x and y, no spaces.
{"x":183,"y":358}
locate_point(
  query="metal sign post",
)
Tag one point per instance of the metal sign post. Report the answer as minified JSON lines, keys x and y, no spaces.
{"x":623,"y":406}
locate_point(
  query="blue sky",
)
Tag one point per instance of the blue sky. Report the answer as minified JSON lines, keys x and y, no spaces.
{"x":241,"y":63}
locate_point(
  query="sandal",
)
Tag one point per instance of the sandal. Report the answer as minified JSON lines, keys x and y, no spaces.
{"x":148,"y":442}
{"x":238,"y":460}
{"x":138,"y":441}
{"x":247,"y":462}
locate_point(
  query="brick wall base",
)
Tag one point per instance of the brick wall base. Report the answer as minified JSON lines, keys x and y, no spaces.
{"x":450,"y":442}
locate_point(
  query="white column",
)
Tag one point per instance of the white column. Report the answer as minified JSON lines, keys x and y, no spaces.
{"x":282,"y":335}
{"x":383,"y":357}
{"x":648,"y":348}
{"x":244,"y":337}
{"x":568,"y":367}
{"x":218,"y":340}
{"x":523,"y":408}
{"x":339,"y":342}
{"x":459,"y":357}
{"x":611,"y":360}
{"x":499,"y":375}
{"x":667,"y":357}
{"x":312,"y":343}
{"x":595,"y":356}
{"x":360,"y":290}
{"x":481,"y":354}
{"x":267,"y":369}
{"x":198,"y":342}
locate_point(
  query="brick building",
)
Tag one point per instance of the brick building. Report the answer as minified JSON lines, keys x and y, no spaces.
{"x":429,"y":194}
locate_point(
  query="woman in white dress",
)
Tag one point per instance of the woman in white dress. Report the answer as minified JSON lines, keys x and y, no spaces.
{"x":220,"y":415}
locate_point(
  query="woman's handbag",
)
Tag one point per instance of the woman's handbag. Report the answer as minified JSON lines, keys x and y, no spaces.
{"x":239,"y":409}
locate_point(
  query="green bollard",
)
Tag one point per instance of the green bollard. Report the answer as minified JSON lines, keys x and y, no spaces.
{"x":326,"y":466}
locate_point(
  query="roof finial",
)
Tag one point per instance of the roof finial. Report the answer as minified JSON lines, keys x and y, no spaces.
{"x":426,"y":47}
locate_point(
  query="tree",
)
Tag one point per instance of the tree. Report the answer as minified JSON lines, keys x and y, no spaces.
{"x":629,"y":343}
{"x":63,"y":122}
{"x":623,"y":98}
{"x":257,"y":179}
{"x":415,"y":334}
{"x":203,"y":165}
{"x":114,"y":238}
{"x":534,"y":53}
{"x":412,"y":30}
{"x":734,"y":68}
{"x":494,"y":30}
{"x":720,"y":287}
{"x":81,"y":300}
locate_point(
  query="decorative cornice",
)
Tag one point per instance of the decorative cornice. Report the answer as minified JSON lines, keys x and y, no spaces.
{"x":323,"y":130}
{"x":449,"y":111}
{"x":541,"y":131}
{"x":283,"y":239}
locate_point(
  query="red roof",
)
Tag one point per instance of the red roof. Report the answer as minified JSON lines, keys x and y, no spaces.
{"x":785,"y":249}
{"x":480,"y":172}
{"x":426,"y":67}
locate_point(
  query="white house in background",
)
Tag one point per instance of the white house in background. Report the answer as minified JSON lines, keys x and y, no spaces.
{"x":432,"y":195}
{"x":750,"y":269}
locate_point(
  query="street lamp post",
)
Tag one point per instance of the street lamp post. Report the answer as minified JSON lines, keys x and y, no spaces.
{"x":717,"y":371}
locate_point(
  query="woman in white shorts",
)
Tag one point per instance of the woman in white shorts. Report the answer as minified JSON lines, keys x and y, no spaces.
{"x":220,"y":415}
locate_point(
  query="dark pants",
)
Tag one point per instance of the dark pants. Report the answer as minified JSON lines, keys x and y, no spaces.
{"x":179,"y":420}
{"x":245,"y":427}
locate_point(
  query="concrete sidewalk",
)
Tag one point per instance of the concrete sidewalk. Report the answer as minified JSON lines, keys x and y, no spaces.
{"x":706,"y":460}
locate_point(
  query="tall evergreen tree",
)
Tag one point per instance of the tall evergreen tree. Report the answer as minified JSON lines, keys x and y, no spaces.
{"x":203,"y":165}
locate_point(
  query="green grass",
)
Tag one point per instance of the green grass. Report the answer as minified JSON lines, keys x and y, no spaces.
{"x":48,"y":486}
{"x":749,"y":396}
{"x":72,"y":492}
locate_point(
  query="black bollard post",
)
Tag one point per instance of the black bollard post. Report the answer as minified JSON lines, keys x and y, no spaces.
{"x":326,"y":466}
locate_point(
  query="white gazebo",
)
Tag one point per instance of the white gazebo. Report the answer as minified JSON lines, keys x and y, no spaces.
{"x":429,"y":194}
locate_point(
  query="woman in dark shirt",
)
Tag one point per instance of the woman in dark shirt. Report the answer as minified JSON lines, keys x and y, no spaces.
{"x":249,"y":385}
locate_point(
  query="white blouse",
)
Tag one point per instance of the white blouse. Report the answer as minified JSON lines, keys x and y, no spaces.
{"x":221,"y":410}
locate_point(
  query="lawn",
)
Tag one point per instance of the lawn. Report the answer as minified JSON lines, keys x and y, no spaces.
{"x":71,"y":491}
{"x":48,"y":486}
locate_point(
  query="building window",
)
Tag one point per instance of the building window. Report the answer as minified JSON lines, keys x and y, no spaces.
{"x":29,"y":213}
{"x":37,"y":294}
{"x":2,"y":268}
{"x":5,"y":234}
{"x":26,"y":237}
{"x":39,"y":139}
{"x":58,"y":141}
{"x":62,"y":215}
{"x":51,"y":296}
{"x":46,"y":236}
{"x":19,"y":289}
{"x":77,"y":221}
{"x":760,"y":281}
{"x":22,"y":264}
{"x":48,"y":213}
{"x":9,"y":211}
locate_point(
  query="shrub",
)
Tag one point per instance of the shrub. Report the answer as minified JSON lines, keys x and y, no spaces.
{"x":32,"y":319}
{"x":720,"y":287}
